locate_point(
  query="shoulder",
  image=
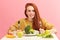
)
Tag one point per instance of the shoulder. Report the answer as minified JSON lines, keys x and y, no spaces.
{"x":43,"y":20}
{"x":22,"y":19}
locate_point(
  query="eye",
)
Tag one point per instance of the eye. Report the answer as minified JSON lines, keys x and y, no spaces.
{"x":33,"y":10}
{"x":29,"y":10}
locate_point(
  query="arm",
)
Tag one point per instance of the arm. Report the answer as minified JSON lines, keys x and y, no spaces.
{"x":14,"y":27}
{"x":47,"y":25}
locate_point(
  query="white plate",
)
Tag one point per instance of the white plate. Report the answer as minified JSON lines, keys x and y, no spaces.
{"x":29,"y":34}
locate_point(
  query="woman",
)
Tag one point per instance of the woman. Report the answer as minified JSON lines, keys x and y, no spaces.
{"x":32,"y":18}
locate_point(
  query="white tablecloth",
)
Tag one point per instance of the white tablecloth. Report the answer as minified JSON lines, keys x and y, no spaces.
{"x":31,"y":38}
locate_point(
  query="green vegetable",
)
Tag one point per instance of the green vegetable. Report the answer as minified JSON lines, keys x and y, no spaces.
{"x":49,"y":36}
{"x":46,"y":34}
{"x":27,"y":29}
{"x":31,"y":31}
{"x":39,"y":35}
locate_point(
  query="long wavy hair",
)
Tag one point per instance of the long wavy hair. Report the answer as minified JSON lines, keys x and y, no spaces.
{"x":36,"y":19}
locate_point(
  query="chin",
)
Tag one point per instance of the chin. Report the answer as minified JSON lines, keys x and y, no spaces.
{"x":31,"y":17}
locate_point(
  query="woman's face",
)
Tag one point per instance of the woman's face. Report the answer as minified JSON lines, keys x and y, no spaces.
{"x":30,"y":12}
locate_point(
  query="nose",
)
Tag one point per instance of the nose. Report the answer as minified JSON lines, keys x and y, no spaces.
{"x":31,"y":11}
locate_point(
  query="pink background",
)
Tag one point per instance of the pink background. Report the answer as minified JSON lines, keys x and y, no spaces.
{"x":13,"y":10}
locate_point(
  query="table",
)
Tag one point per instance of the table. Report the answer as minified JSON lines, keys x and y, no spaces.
{"x":31,"y":38}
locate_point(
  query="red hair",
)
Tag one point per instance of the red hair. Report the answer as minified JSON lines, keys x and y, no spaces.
{"x":36,"y":19}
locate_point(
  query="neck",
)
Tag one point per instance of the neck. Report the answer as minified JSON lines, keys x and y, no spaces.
{"x":29,"y":19}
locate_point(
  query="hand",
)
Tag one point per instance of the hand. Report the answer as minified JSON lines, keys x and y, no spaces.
{"x":53,"y":30}
{"x":42,"y":30}
{"x":10,"y":32}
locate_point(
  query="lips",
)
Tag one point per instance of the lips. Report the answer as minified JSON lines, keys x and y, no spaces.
{"x":31,"y":15}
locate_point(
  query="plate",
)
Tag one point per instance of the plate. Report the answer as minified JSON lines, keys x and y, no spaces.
{"x":29,"y":34}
